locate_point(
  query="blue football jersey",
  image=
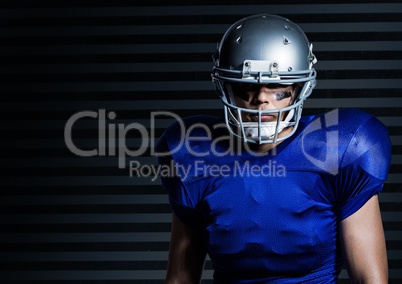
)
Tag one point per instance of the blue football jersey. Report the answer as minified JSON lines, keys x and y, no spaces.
{"x":274,"y":218}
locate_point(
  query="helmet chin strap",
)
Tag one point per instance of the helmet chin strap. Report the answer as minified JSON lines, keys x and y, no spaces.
{"x":268,"y":129}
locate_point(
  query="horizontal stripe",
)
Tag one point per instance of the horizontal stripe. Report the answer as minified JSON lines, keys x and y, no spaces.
{"x":87,"y":145}
{"x":107,"y":180}
{"x":150,"y":87}
{"x":201,"y":10}
{"x":159,"y":107}
{"x":392,"y":273}
{"x":69,"y":162}
{"x":359,"y":65}
{"x":131,"y":143}
{"x":182,"y":48}
{"x":138,"y":218}
{"x":84,"y":218}
{"x":109,"y":256}
{"x":119,"y":199}
{"x":71,"y":275}
{"x":90,"y":199}
{"x":110,"y":237}
{"x":354,"y":102}
{"x":91,"y":144}
{"x":390,"y":197}
{"x":119,"y":218}
{"x":396,"y":159}
{"x":93,"y":162}
{"x":187,"y":29}
{"x":86,"y":125}
{"x":50,"y":181}
{"x":84,"y":256}
{"x":83,"y":237}
{"x":174,"y":67}
{"x":158,"y":123}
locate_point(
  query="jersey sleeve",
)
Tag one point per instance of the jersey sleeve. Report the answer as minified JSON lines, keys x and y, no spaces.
{"x":363,"y":167}
{"x":182,"y":203}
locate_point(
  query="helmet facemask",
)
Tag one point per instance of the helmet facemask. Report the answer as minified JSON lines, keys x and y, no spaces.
{"x":262,"y":132}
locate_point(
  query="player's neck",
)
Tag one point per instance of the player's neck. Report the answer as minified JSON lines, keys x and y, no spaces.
{"x":263,"y":148}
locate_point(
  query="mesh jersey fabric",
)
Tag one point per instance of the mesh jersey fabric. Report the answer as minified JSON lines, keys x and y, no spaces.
{"x":274,"y":218}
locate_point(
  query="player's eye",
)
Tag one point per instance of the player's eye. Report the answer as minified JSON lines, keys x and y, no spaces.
{"x":242,"y":90}
{"x":283,"y":95}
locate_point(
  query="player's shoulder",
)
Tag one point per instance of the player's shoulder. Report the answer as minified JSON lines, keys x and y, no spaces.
{"x":339,"y":136}
{"x":355,"y":119}
{"x":348,"y":126}
{"x":347,"y":122}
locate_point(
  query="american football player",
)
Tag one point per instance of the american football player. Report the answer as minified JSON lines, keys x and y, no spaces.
{"x":300,"y":197}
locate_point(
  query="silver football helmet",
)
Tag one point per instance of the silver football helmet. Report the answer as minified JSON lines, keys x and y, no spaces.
{"x":264,"y":49}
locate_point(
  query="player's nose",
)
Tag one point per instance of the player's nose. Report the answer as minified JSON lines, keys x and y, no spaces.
{"x":262,"y":95}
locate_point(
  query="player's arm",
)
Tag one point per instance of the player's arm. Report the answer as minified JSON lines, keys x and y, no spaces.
{"x":364,"y":247}
{"x":186,"y":254}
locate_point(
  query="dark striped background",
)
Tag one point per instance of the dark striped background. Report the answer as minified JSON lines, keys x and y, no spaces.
{"x":70,"y":219}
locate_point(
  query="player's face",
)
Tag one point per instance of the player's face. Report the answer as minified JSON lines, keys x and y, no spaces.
{"x":262,"y":97}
